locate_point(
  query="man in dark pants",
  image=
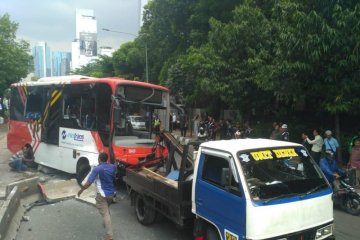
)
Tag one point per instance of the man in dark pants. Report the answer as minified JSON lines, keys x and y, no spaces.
{"x":104,"y":176}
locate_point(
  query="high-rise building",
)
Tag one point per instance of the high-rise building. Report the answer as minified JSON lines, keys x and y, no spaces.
{"x":42,"y":60}
{"x":61,"y":63}
{"x":84,"y":47}
{"x":106,"y":51}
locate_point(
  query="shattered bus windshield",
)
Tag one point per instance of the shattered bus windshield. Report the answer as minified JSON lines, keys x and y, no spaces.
{"x":280,"y":172}
{"x":139,"y":107}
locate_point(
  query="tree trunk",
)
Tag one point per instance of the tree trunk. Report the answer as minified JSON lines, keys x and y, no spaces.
{"x":337,"y":132}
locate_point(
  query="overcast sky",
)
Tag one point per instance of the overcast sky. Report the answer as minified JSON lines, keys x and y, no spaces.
{"x":53,"y":21}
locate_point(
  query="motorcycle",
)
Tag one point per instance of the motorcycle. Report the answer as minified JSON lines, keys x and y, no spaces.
{"x":346,"y":197}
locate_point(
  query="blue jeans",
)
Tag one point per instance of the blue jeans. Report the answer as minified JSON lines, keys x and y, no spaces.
{"x":17,"y":165}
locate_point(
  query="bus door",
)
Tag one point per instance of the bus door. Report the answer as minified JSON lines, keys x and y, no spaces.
{"x":51,"y":116}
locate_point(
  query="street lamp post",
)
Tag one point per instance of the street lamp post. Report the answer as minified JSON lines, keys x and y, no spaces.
{"x":146,"y":50}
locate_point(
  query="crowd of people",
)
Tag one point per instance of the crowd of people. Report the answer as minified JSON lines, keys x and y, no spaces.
{"x":209,"y":129}
{"x":324,"y":150}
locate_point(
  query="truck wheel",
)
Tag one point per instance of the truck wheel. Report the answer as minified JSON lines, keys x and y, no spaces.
{"x":144,"y":213}
{"x":211,"y":234}
{"x":82,"y":172}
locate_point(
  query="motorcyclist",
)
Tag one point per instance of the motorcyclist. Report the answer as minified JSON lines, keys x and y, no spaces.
{"x":331,"y":170}
{"x":202,"y":134}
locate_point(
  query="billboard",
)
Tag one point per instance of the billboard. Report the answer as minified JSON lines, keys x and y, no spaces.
{"x":88,"y":44}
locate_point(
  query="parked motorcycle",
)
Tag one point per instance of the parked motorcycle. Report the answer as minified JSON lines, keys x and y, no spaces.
{"x":346,"y":197}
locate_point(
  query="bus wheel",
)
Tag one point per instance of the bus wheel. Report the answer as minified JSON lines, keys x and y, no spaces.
{"x":82,"y":172}
{"x":211,"y":234}
{"x":144,"y":213}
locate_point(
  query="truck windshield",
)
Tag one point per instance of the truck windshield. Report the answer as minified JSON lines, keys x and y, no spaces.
{"x":280,"y":173}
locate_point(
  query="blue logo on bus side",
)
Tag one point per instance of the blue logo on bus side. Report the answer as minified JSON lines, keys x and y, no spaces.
{"x":63,"y":134}
{"x":74,"y":136}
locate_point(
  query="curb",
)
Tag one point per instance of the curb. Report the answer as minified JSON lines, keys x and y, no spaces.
{"x":8,"y":210}
{"x":18,"y":195}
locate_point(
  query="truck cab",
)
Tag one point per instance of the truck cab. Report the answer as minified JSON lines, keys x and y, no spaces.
{"x":259,"y":189}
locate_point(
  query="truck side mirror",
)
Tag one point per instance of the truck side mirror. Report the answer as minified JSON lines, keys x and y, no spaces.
{"x":225,"y":176}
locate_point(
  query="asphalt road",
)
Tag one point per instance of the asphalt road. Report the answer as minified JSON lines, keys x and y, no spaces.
{"x":74,"y":220}
{"x":347,"y":227}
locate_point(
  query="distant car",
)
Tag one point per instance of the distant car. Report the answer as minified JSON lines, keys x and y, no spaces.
{"x":137,"y":122}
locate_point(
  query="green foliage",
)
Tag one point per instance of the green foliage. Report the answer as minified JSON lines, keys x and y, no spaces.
{"x":129,"y":61}
{"x":101,"y":67}
{"x":250,"y":54}
{"x":14,"y":57}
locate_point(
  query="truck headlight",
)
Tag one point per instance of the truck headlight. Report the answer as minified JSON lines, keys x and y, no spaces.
{"x":324,"y":232}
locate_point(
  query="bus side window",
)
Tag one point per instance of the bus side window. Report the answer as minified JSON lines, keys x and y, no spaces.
{"x":71,"y":111}
{"x":88,"y":117}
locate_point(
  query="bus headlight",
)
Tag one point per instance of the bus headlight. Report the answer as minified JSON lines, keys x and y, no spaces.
{"x":324,"y":232}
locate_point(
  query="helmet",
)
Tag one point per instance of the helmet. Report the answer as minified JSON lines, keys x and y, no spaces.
{"x":201,"y":130}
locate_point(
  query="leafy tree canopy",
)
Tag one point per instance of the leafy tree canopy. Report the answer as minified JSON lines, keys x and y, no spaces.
{"x":14,"y":56}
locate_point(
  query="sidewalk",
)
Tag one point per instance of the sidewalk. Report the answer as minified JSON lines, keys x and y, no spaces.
{"x":3,"y":130}
{"x":6,"y":175}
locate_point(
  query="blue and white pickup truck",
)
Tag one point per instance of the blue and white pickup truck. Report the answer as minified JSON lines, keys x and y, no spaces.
{"x":237,"y":189}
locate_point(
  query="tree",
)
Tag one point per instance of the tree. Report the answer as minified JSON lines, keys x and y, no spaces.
{"x":311,"y":55}
{"x":166,"y":32}
{"x":223,"y":69}
{"x":101,"y":67}
{"x":204,"y":10}
{"x":129,"y":60}
{"x":14,"y":57}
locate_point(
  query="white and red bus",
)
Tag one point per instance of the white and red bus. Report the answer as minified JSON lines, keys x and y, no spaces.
{"x":69,"y":120}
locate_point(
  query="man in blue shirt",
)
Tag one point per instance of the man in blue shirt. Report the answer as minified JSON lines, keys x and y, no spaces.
{"x":330,"y":143}
{"x":329,"y":167}
{"x":104,"y":176}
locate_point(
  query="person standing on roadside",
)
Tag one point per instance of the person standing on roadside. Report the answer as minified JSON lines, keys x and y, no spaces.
{"x":196,"y":122}
{"x":305,"y":143}
{"x":352,"y":141}
{"x":284,"y":134}
{"x":354,"y":161}
{"x":330,"y":143}
{"x":317,"y":145}
{"x":104,"y":177}
{"x":183,"y":124}
{"x":170,"y":122}
{"x":174,"y":120}
{"x":275,"y":132}
{"x":1,"y":108}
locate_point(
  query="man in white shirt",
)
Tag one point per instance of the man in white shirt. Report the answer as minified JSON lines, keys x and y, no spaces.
{"x":317,"y":145}
{"x":174,"y":121}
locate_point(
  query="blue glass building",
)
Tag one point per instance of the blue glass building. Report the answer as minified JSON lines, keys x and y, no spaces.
{"x":61,"y":63}
{"x":42,"y":60}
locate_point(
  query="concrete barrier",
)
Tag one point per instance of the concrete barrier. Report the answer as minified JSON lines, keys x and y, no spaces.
{"x":26,"y":187}
{"x":18,"y":195}
{"x":60,"y":190}
{"x":8,"y":210}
